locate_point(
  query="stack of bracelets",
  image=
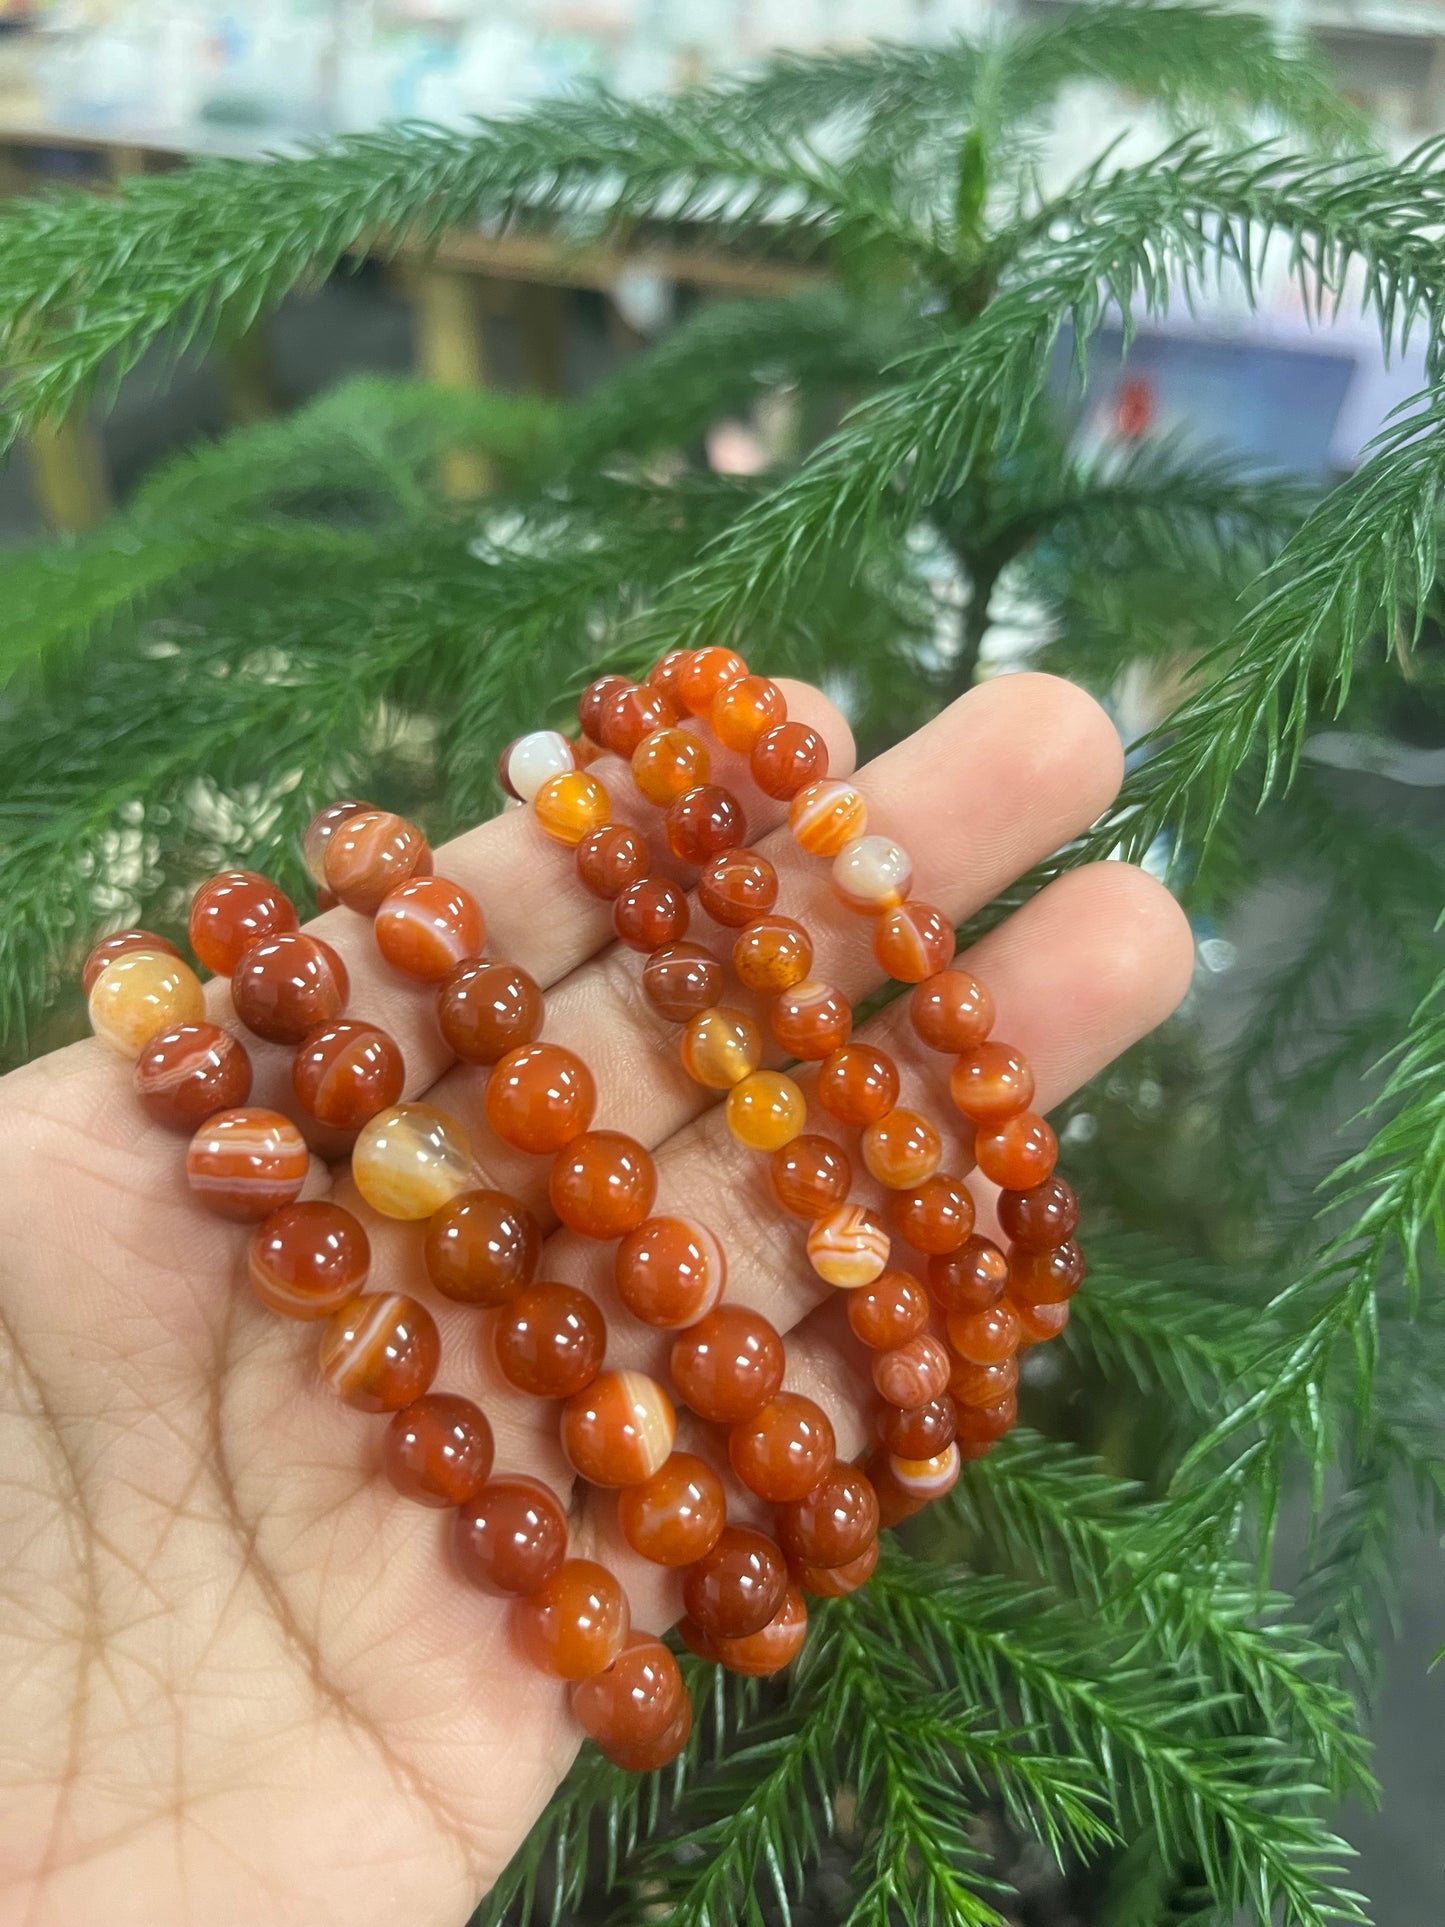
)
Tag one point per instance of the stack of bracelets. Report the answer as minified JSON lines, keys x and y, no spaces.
{"x":944,"y":1347}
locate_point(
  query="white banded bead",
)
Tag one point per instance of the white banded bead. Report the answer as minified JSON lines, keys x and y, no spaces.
{"x":872,"y":874}
{"x":533,"y":760}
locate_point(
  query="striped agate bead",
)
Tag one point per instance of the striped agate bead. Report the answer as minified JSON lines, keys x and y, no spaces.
{"x":427,"y":926}
{"x":826,"y":816}
{"x":927,"y":1478}
{"x":410,"y":1161}
{"x":246,"y":1163}
{"x":848,"y":1247}
{"x":380,"y":1351}
{"x":308,"y":1260}
{"x":872,"y":874}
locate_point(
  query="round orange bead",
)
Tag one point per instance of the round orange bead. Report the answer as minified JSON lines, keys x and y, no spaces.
{"x":745,"y":709}
{"x":589,"y":703}
{"x":986,"y":1424}
{"x":935,"y":1216}
{"x":827,"y":815}
{"x":141,"y":993}
{"x":572,"y":805}
{"x":721,"y":1047}
{"x":668,"y":764}
{"x":369,"y":853}
{"x":667,"y":671}
{"x":482,"y":1248}
{"x":833,"y":1522}
{"x":991,"y":1083}
{"x":380,"y":1352}
{"x":602,"y":1184}
{"x":231,"y":912}
{"x":835,"y":1582}
{"x":765,"y":1111}
{"x":918,"y":1431}
{"x":984,"y":1337}
{"x":610,"y":859}
{"x":783,"y":1450}
{"x":705,"y":674}
{"x":633,"y":1704}
{"x":1040,"y":1218}
{"x":319,"y":832}
{"x":284,"y":986}
{"x":1018,"y":1153}
{"x":411,"y":1160}
{"x":737,"y":1586}
{"x":308,"y":1260}
{"x":761,"y":1654}
{"x":872,"y":874}
{"x":848,"y":1247}
{"x":703,"y":822}
{"x":511,"y":1536}
{"x":676,"y":1515}
{"x":650,"y":913}
{"x":575,"y":1623}
{"x":736,"y":886}
{"x":1039,"y":1323}
{"x":485,"y":1010}
{"x":681,"y":979}
{"x":629,"y":715}
{"x":670,"y":1272}
{"x":1045,"y":1277}
{"x":540,"y":1097}
{"x":438,"y":1451}
{"x":902,"y":1149}
{"x":971,"y":1278}
{"x":970,"y":1384}
{"x":619,"y":1430}
{"x":912,"y":1374}
{"x":952,"y":1011}
{"x":188,"y":1074}
{"x":812,"y":1019}
{"x":887,"y":1313}
{"x":787,"y":758}
{"x":858,"y":1084}
{"x":772,"y":953}
{"x":427,"y":926}
{"x":728,"y":1365}
{"x":246,"y":1163}
{"x":550,"y":1341}
{"x":811,"y":1175}
{"x":913,"y":941}
{"x":109,"y":948}
{"x":343,"y":1074}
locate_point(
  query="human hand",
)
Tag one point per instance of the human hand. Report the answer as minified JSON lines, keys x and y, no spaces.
{"x":240,"y":1678}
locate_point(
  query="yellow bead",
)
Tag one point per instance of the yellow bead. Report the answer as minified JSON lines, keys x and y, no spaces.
{"x":572,"y":805}
{"x":721,"y":1047}
{"x":141,"y":994}
{"x":766,"y":1111}
{"x":826,"y":815}
{"x":410,"y":1161}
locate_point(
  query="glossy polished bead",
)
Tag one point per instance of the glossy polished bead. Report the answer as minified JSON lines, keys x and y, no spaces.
{"x":676,"y":1515}
{"x":848,"y":1247}
{"x":736,"y":1587}
{"x":984,"y":1337}
{"x":772,"y":953}
{"x":649,"y":1756}
{"x":635,"y":1701}
{"x":782,"y":1451}
{"x":703,"y":822}
{"x":918,"y":1431}
{"x":439,"y":1450}
{"x":380,"y":1352}
{"x":705,"y":674}
{"x":951,"y":1012}
{"x":680,"y":979}
{"x":602,"y":1184}
{"x":369,"y":854}
{"x":728,"y":1365}
{"x":409,"y":1161}
{"x":511,"y":1536}
{"x":627,"y":716}
{"x":308,"y":1260}
{"x":589,"y":703}
{"x":913,"y":941}
{"x":285,"y":986}
{"x":761,"y":1654}
{"x":913,"y":1373}
{"x":833,"y":1522}
{"x":650,"y":913}
{"x":970,"y":1384}
{"x":619,"y":1430}
{"x":745,"y":709}
{"x":667,"y":670}
{"x":485,"y":1010}
{"x":425,"y":927}
{"x":811,"y":1020}
{"x":572,"y":806}
{"x":481,"y":1248}
{"x":721,"y":1047}
{"x":872,"y":874}
{"x":1039,"y":1323}
{"x":986,"y":1424}
{"x":669,"y":763}
{"x":109,"y":948}
{"x":810,"y":1175}
{"x":971,"y":1278}
{"x":1041,"y":1218}
{"x":550,"y":1341}
{"x":858,"y":1084}
{"x":244,"y":1164}
{"x":836,"y":1582}
{"x":188,"y":1074}
{"x":670,"y":1272}
{"x":935,"y":1216}
{"x":787,"y":758}
{"x":344,"y":1074}
{"x":1045,"y":1277}
{"x":927,"y":1478}
{"x":894,"y":1504}
{"x":1018,"y":1153}
{"x":901,"y":1149}
{"x":575,"y":1623}
{"x":887,"y":1313}
{"x":766,"y":1111}
{"x":319,"y":832}
{"x":533,"y":760}
{"x":540,"y":1097}
{"x":610,"y":859}
{"x":826,"y":816}
{"x":141,"y":993}
{"x":231,"y":912}
{"x":991,"y":1083}
{"x":737,"y":885}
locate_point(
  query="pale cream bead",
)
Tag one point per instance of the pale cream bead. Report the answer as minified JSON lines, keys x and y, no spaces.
{"x":533,"y":759}
{"x":139,"y":995}
{"x":411,"y":1160}
{"x":872,"y":874}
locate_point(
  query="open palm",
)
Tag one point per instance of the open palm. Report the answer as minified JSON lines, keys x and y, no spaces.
{"x":240,"y":1680}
